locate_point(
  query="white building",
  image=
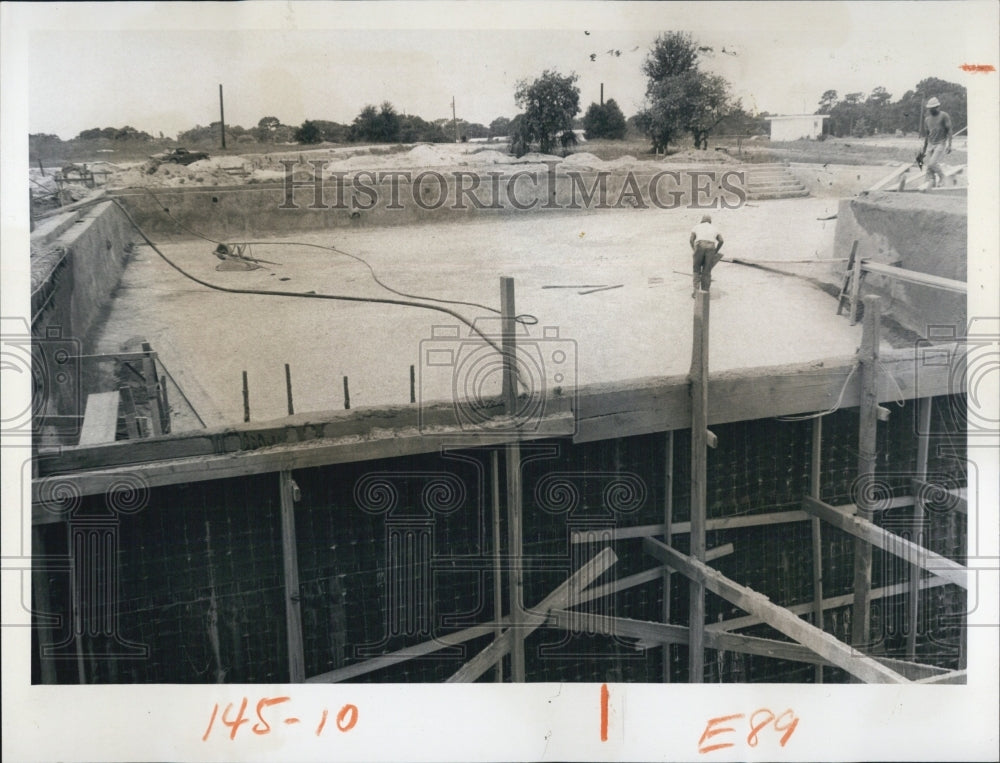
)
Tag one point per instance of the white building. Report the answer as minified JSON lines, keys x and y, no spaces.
{"x":797,"y":126}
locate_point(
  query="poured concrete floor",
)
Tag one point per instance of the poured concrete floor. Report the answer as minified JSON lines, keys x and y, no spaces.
{"x":207,"y":338}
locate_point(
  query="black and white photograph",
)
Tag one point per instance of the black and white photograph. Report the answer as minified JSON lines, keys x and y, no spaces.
{"x":635,"y":362}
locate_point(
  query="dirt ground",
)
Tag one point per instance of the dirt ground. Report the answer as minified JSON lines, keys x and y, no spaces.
{"x":641,"y":328}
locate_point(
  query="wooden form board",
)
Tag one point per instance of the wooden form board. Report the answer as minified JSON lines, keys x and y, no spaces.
{"x":100,"y":418}
{"x":779,"y":618}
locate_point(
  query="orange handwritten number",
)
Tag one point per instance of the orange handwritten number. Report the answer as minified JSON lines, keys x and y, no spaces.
{"x":322,"y":722}
{"x":345,"y":711}
{"x":215,"y":712}
{"x":756,"y":727}
{"x":264,"y":727}
{"x":790,"y":727}
{"x":235,"y":724}
{"x":604,"y":712}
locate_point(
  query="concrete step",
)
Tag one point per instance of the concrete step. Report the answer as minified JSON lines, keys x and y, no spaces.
{"x":782,"y":194}
{"x":771,"y":181}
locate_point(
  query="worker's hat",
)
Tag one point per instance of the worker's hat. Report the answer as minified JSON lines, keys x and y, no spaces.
{"x":706,"y":218}
{"x":933,"y":102}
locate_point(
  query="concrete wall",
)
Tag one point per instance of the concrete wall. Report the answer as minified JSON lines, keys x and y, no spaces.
{"x":915,"y":231}
{"x":236,"y":212}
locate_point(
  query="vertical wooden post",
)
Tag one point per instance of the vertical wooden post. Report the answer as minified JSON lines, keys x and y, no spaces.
{"x":413,"y":385}
{"x":868,"y":357}
{"x":293,"y":610}
{"x":497,"y":560}
{"x":512,"y":452}
{"x":246,"y":398}
{"x":222,"y":118}
{"x":913,"y":600}
{"x":347,"y":395}
{"x":288,"y":389}
{"x":164,"y":400}
{"x":817,"y":537}
{"x":699,"y":487}
{"x":856,"y":288}
{"x":152,"y":389}
{"x":668,"y":523}
{"x":41,"y":605}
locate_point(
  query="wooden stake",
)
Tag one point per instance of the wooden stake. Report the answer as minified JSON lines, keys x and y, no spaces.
{"x":128,"y":411}
{"x":497,"y":563}
{"x":246,"y":398}
{"x":152,"y":388}
{"x":868,"y":430}
{"x":700,"y":438}
{"x":855,"y":288}
{"x":289,"y":553}
{"x":413,"y":385}
{"x":817,"y":538}
{"x":913,"y":600}
{"x":347,"y":395}
{"x":512,"y":454}
{"x":668,"y":522}
{"x":165,"y":401}
{"x":288,"y":389}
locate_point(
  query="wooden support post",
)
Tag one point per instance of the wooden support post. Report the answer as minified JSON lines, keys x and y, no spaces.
{"x":497,"y":559}
{"x":246,"y":398}
{"x":779,"y":618}
{"x":152,"y":389}
{"x":668,"y":522}
{"x":41,"y":607}
{"x":868,"y":358}
{"x":293,"y":610}
{"x":128,"y":411}
{"x":817,"y":537}
{"x":512,"y":453}
{"x":347,"y":395}
{"x":164,"y":402}
{"x":699,"y":488}
{"x":288,"y":389}
{"x":913,"y":600}
{"x":855,"y":288}
{"x":413,"y":385}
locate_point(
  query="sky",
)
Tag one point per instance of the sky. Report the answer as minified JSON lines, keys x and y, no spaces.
{"x":159,"y":69}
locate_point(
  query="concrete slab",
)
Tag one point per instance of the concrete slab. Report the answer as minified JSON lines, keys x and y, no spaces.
{"x":643,"y":328}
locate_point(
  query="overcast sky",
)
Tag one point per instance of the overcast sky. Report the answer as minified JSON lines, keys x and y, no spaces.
{"x":159,"y":70}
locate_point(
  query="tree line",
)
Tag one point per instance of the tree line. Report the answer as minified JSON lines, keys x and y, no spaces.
{"x":857,"y":114}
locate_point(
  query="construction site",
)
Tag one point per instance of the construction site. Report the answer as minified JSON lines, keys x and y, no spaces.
{"x":281,"y":436}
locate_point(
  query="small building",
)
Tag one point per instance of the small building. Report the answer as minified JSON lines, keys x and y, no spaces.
{"x":797,"y":126}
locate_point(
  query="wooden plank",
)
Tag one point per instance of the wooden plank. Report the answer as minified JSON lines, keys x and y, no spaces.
{"x":832,"y":602}
{"x":861,"y":528}
{"x":816,"y":531}
{"x":668,"y":521}
{"x":856,"y":277}
{"x":100,"y":418}
{"x":536,"y":617}
{"x":891,"y":178}
{"x":823,"y":644}
{"x":849,"y":274}
{"x":913,"y":601}
{"x":289,"y":555}
{"x":600,"y":412}
{"x":699,"y":479}
{"x":868,"y":356}
{"x":512,"y":462}
{"x":914,"y":276}
{"x":954,"y":677}
{"x":128,"y":411}
{"x":152,"y":380}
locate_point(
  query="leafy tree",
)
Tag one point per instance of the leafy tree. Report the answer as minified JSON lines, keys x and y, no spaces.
{"x":827,"y":101}
{"x":380,"y":125}
{"x":679,"y":97}
{"x":605,"y":121}
{"x":308,"y":132}
{"x":549,"y":103}
{"x":499,"y":127}
{"x":266,"y":129}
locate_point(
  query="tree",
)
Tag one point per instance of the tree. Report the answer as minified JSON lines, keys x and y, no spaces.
{"x":266,"y":128}
{"x":308,"y":132}
{"x":709,"y":104}
{"x":499,"y":127}
{"x":673,"y":54}
{"x":365,"y":126}
{"x":604,"y":121}
{"x":549,"y":103}
{"x":827,"y":101}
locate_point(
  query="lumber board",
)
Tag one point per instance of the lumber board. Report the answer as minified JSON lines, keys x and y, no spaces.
{"x":914,"y":276}
{"x":536,"y":617}
{"x":100,"y":418}
{"x":891,"y":178}
{"x":289,"y":555}
{"x":779,"y":618}
{"x":910,"y":552}
{"x":953,"y":677}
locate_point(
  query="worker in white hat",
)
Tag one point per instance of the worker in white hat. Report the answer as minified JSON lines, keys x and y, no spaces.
{"x":937,"y":140}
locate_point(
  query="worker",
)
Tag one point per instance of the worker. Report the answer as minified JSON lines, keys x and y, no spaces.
{"x":937,"y":140}
{"x":706,"y":242}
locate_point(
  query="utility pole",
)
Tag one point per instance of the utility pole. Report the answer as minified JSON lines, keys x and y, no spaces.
{"x":602,"y":93}
{"x":454,"y":119}
{"x":222,"y":119}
